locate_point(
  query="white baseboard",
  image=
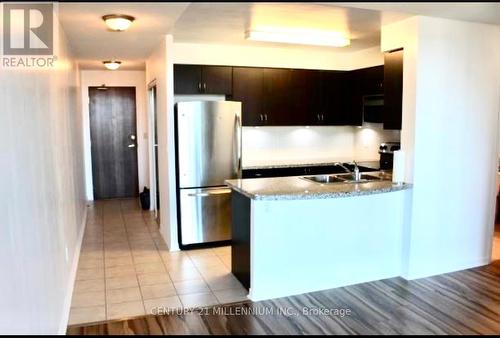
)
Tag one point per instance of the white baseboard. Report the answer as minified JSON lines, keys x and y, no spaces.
{"x":72,"y":276}
{"x":457,"y":266}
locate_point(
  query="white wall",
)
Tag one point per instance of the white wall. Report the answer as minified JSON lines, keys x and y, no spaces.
{"x":93,"y":78}
{"x":300,"y":246}
{"x":159,"y":68}
{"x":42,"y":199}
{"x":303,"y":57}
{"x":284,"y":145}
{"x":451,"y":103}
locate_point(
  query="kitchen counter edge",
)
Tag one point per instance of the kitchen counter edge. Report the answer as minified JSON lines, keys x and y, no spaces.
{"x":349,"y":191}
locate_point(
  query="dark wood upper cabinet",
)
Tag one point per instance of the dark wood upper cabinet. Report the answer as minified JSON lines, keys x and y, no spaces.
{"x":276,"y":103}
{"x":187,"y":79}
{"x":393,"y":89}
{"x":217,"y":79}
{"x":304,"y":96}
{"x":363,"y":82}
{"x":337,"y":99}
{"x":196,"y":79}
{"x":299,"y":97}
{"x":248,"y":89}
{"x":372,"y":80}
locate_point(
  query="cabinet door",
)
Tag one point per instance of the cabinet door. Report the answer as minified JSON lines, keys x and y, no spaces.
{"x":305,"y":98}
{"x":217,"y":80}
{"x":187,"y":79}
{"x":373,"y":80}
{"x":393,"y":89}
{"x":337,"y":96}
{"x":247,"y":88}
{"x":276,"y":103}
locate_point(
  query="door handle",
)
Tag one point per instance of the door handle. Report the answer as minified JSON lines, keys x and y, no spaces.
{"x":210,"y":193}
{"x":131,"y":145}
{"x":238,"y":142}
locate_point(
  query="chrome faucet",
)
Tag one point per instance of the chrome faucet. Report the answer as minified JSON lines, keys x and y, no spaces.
{"x":356,"y":175}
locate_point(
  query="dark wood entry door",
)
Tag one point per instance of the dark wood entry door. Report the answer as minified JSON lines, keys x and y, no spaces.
{"x":113,"y":142}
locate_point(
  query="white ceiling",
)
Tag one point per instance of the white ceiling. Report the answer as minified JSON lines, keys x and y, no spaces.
{"x":227,"y":23}
{"x":482,"y":12}
{"x":93,"y":43}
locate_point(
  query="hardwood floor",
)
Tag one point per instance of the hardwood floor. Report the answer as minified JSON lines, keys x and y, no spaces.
{"x":465,"y":302}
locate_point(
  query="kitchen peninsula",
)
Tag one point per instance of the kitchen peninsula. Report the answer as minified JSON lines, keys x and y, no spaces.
{"x":293,"y":235}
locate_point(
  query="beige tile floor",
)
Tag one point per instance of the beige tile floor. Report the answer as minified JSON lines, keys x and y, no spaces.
{"x":126,"y":270}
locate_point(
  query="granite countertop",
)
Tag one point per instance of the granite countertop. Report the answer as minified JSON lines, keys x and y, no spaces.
{"x":295,"y":187}
{"x":368,"y":164}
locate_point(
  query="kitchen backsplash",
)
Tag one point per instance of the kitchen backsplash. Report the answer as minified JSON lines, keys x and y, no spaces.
{"x":268,"y":145}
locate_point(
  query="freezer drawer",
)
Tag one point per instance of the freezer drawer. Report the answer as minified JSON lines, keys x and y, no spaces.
{"x":205,"y":215}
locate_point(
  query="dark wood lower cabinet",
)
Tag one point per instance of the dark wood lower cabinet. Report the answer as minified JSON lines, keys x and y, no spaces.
{"x":298,"y":171}
{"x":240,"y":245}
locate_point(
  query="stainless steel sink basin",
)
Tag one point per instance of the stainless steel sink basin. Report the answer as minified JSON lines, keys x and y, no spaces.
{"x":325,"y":179}
{"x":342,"y":178}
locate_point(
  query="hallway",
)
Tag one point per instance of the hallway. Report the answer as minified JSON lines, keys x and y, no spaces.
{"x":125,"y":269}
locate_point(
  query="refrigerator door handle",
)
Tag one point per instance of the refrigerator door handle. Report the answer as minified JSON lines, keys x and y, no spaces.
{"x":210,"y":193}
{"x":238,"y":143}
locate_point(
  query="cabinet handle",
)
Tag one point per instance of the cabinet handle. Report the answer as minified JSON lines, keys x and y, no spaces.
{"x":199,"y":86}
{"x":322,"y":117}
{"x":265,"y":115}
{"x":204,"y":87}
{"x":318,"y":118}
{"x":261,"y":117}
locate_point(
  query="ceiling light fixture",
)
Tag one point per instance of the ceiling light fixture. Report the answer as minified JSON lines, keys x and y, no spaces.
{"x":112,"y":65}
{"x":298,"y":36}
{"x":118,"y":22}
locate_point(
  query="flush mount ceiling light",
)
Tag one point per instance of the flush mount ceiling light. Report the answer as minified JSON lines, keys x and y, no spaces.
{"x":298,"y":36}
{"x":118,"y":22}
{"x":112,"y":65}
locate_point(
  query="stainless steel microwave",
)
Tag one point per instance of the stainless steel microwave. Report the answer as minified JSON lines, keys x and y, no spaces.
{"x":373,"y":108}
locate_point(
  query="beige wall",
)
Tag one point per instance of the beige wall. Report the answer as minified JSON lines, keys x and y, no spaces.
{"x":451,"y":100}
{"x":159,"y":69}
{"x":42,"y":199}
{"x":304,"y":57}
{"x":90,"y":78}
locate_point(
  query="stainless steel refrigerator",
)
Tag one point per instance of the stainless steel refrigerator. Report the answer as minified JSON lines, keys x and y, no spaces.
{"x":208,"y":140}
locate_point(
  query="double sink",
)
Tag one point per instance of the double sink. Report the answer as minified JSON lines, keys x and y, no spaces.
{"x":345,"y":178}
